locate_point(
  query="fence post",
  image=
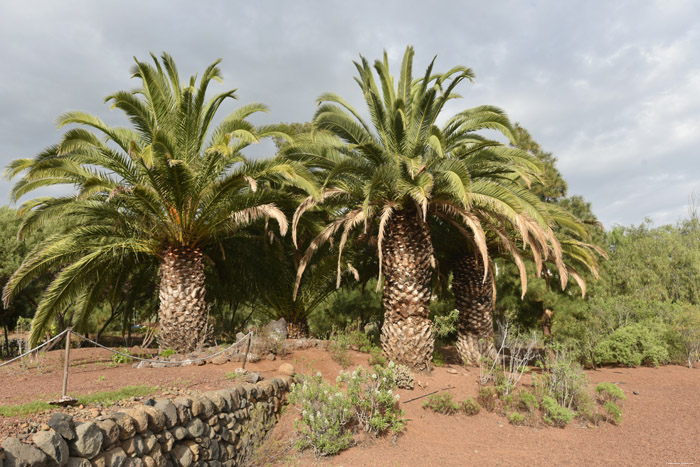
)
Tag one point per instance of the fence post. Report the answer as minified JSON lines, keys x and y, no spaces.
{"x":245,"y":357}
{"x":66,"y":363}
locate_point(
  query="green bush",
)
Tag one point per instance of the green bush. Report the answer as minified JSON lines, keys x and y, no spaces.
{"x":634,"y":344}
{"x":371,"y":395}
{"x":442,"y":403}
{"x":167,"y":352}
{"x":376,"y":357}
{"x":555,"y":414}
{"x":564,"y":381}
{"x":613,"y":412}
{"x":527,"y":402}
{"x":610,"y":392}
{"x":470,"y":407}
{"x":516,"y":418}
{"x":438,"y":359}
{"x":487,"y":398}
{"x":117,"y":359}
{"x":326,"y":416}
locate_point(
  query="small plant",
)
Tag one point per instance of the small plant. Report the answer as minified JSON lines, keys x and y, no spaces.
{"x":119,"y":359}
{"x":610,"y":392}
{"x":338,"y":349}
{"x":470,"y":407}
{"x":442,"y":403}
{"x":487,"y":398}
{"x":516,"y":418}
{"x":101,"y":378}
{"x":373,"y":400}
{"x":326,"y":416}
{"x":376,"y":357}
{"x":235,"y":376}
{"x":167,"y":352}
{"x":438,"y":359}
{"x":527,"y":402}
{"x":404,"y":377}
{"x":555,"y":414}
{"x":613,"y":412}
{"x":329,"y":414}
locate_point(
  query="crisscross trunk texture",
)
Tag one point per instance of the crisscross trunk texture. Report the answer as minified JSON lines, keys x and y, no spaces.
{"x":298,"y":330}
{"x":474,"y":301}
{"x":183,"y":310}
{"x":407,"y":333}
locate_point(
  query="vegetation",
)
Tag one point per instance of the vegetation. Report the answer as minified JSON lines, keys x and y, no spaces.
{"x":328,"y":413}
{"x":103,"y":398}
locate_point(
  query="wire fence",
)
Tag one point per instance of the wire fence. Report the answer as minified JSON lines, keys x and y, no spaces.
{"x":245,"y":338}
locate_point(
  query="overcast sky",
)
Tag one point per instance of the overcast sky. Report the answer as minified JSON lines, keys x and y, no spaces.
{"x":612,"y":88}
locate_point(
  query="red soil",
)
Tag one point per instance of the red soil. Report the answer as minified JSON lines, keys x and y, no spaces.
{"x":661,"y":424}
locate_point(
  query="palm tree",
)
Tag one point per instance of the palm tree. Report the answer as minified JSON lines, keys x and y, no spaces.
{"x":165,"y":190}
{"x":388,"y":177}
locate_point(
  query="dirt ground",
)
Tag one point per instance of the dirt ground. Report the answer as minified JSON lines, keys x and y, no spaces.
{"x":661,"y":423}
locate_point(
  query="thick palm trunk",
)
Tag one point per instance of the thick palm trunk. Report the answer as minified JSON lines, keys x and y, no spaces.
{"x":183,"y":310}
{"x":474,"y":301}
{"x":407,"y":333}
{"x":298,"y":330}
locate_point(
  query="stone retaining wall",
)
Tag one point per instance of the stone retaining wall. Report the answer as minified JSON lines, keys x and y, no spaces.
{"x":216,"y":428}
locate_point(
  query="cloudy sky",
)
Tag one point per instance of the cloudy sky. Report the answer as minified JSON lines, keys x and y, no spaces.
{"x":612,"y":88}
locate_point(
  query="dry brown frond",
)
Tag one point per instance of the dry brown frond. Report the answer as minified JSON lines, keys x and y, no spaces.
{"x":248,"y":215}
{"x":307,"y":204}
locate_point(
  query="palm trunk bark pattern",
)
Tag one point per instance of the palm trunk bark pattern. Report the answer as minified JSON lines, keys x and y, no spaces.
{"x":183,"y":309}
{"x":298,"y":330}
{"x":407,"y":333}
{"x":474,"y":301}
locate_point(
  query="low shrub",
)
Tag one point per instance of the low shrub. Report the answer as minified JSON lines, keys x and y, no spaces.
{"x":118,"y":359}
{"x":326,"y":416}
{"x":634,"y":344}
{"x":167,"y":352}
{"x":487,"y":398}
{"x":613,"y":412}
{"x":516,"y":418}
{"x":329,"y":415}
{"x":376,"y":357}
{"x":470,"y":407}
{"x":609,"y":392}
{"x":373,"y":400}
{"x":442,"y":403}
{"x":555,"y":414}
{"x":526,"y":402}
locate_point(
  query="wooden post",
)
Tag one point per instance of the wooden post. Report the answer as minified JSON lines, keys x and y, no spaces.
{"x":245,"y":357}
{"x":66,"y":363}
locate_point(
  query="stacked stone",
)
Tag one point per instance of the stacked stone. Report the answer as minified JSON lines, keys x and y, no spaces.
{"x":216,"y":428}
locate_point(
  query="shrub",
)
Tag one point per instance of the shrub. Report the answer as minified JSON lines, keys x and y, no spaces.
{"x":438,"y":358}
{"x":610,"y":392}
{"x":516,"y":418}
{"x":442,"y":403}
{"x":470,"y":407}
{"x":338,"y":349}
{"x":117,"y":359}
{"x":167,"y":352}
{"x":326,"y":416}
{"x":376,"y":357}
{"x":634,"y":344}
{"x":555,"y":414}
{"x":487,"y":398}
{"x":527,"y":402}
{"x":564,"y":381}
{"x":613,"y":412}
{"x":373,"y":400}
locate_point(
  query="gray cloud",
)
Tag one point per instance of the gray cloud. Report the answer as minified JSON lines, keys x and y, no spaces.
{"x":611,"y":88}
